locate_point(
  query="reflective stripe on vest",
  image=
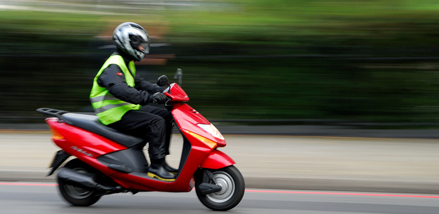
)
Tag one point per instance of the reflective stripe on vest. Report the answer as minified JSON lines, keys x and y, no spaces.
{"x":108,"y":108}
{"x":102,"y":98}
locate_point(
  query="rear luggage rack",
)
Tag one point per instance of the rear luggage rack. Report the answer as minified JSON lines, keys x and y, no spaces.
{"x":55,"y":112}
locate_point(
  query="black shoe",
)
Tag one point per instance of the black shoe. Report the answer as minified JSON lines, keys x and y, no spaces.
{"x":156,"y":170}
{"x":169,"y":168}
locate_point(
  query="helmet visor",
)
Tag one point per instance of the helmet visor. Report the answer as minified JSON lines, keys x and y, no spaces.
{"x":140,"y":44}
{"x":144,"y":47}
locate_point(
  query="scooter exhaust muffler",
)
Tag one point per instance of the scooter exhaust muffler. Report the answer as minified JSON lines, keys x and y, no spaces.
{"x":86,"y":181}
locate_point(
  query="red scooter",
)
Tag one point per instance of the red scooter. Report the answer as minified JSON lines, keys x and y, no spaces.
{"x":108,"y":161}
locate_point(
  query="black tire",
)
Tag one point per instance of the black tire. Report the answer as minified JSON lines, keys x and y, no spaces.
{"x":78,"y":196}
{"x":233,"y":188}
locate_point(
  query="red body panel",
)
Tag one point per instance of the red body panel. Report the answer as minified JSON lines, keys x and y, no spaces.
{"x":83,"y":144}
{"x":90,"y":143}
{"x":88,"y":146}
{"x":187,"y":118}
{"x":217,"y":160}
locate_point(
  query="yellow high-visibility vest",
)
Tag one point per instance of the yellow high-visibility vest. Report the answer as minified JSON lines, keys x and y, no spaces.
{"x":108,"y":108}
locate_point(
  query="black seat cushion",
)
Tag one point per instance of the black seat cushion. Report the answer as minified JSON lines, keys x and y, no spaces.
{"x":91,"y":123}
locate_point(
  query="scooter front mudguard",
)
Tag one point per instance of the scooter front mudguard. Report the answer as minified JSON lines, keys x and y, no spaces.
{"x":217,"y":160}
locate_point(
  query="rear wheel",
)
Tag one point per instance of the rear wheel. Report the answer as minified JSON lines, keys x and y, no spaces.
{"x":75,"y":195}
{"x":232,"y":189}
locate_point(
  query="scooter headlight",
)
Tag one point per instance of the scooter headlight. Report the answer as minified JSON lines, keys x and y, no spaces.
{"x":211,"y":129}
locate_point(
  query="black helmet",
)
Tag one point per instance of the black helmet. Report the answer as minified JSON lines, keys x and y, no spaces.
{"x":132,"y":39}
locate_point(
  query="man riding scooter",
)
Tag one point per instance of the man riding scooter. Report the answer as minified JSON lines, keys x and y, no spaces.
{"x":118,"y":95}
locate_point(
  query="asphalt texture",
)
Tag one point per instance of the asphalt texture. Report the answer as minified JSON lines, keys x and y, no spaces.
{"x":400,"y":165}
{"x":37,"y":198}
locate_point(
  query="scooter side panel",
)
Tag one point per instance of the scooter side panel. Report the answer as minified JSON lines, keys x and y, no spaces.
{"x":77,"y":141}
{"x":217,"y":160}
{"x":183,"y":113}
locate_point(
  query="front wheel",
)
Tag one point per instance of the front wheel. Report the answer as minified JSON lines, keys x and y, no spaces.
{"x":232,"y":189}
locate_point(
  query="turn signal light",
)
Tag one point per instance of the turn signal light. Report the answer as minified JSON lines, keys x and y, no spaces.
{"x":56,"y":135}
{"x":212,"y":144}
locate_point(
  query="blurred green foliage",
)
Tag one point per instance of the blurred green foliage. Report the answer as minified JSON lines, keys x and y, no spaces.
{"x":250,"y":59}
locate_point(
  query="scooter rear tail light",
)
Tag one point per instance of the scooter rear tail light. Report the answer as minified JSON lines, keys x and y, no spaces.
{"x":55,"y":134}
{"x":208,"y":142}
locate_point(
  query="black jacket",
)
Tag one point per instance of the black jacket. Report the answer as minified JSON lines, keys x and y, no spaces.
{"x":113,"y":79}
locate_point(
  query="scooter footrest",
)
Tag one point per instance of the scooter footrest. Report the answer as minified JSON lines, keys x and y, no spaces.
{"x":121,"y":168}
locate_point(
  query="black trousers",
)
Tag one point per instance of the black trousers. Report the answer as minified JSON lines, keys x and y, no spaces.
{"x":151,"y":123}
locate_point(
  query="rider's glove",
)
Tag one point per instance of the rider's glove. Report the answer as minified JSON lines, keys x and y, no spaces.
{"x":158,"y":98}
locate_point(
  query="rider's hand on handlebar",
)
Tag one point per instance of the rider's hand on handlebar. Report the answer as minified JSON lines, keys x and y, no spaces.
{"x":159,"y":98}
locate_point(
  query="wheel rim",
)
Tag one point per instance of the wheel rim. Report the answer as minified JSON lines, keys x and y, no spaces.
{"x":227,"y":184}
{"x":77,"y":192}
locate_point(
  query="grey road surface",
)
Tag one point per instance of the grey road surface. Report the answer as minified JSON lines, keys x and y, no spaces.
{"x":276,"y":162}
{"x":16,"y":199}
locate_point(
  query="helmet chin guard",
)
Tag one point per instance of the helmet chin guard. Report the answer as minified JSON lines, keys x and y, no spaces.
{"x":132,"y":39}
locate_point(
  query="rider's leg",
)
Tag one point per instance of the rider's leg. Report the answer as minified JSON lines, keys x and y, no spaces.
{"x":152,"y":128}
{"x":167,"y":116}
{"x":157,"y":152}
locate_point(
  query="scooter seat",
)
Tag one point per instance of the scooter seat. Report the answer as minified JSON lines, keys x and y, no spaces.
{"x":91,"y":123}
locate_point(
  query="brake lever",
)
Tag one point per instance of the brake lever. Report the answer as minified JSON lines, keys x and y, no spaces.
{"x":168,"y":90}
{"x":166,"y":103}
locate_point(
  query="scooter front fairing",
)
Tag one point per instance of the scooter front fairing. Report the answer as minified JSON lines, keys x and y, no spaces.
{"x":198,"y":130}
